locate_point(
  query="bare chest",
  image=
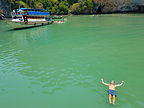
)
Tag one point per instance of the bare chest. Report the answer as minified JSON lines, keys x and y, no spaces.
{"x":112,"y":87}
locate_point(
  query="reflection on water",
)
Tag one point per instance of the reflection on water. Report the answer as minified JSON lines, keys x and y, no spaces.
{"x":32,"y":37}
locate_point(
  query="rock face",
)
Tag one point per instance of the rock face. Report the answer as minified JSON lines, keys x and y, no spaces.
{"x":111,"y":6}
{"x":5,"y":8}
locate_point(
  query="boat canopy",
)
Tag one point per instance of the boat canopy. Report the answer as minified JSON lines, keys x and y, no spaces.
{"x":26,"y":9}
{"x":38,"y":13}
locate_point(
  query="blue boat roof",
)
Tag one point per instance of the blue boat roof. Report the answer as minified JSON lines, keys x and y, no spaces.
{"x":38,"y":13}
{"x":28,"y":9}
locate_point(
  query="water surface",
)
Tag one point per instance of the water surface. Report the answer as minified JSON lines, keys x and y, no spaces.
{"x":60,"y":65}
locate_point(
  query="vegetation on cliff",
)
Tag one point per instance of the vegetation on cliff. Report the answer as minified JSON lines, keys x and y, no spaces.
{"x":60,"y":6}
{"x":76,"y":6}
{"x":54,"y":6}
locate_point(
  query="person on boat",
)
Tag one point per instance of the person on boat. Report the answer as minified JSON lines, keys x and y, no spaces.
{"x":111,"y":91}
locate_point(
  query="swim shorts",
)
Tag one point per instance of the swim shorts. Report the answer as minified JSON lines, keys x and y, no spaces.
{"x":112,"y":92}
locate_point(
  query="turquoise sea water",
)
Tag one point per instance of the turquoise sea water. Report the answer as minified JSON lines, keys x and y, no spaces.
{"x":60,"y":65}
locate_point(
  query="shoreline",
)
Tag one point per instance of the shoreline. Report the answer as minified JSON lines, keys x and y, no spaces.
{"x":92,"y":14}
{"x":116,"y":12}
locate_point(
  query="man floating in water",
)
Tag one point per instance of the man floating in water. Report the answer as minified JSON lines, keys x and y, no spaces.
{"x":111,"y":91}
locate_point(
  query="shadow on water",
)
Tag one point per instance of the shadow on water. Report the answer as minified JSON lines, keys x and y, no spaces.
{"x":24,"y":28}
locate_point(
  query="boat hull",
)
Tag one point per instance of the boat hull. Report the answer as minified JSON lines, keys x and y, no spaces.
{"x":17,"y":25}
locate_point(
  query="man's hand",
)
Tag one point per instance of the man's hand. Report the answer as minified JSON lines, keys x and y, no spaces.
{"x":122,"y":81}
{"x":103,"y":82}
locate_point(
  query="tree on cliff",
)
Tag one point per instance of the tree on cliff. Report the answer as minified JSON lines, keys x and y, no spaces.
{"x":83,"y":6}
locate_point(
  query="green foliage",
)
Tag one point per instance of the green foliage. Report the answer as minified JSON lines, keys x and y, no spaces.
{"x":63,"y":7}
{"x":14,"y":4}
{"x":23,"y":4}
{"x":55,"y":6}
{"x":38,"y":5}
{"x":75,"y":8}
{"x":83,"y":6}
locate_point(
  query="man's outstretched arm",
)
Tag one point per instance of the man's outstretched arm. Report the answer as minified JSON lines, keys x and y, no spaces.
{"x":119,"y":84}
{"x":103,"y":82}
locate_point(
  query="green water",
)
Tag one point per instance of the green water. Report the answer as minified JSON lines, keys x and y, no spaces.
{"x":60,"y":65}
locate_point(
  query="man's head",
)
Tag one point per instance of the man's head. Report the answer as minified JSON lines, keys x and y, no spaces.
{"x":112,"y":82}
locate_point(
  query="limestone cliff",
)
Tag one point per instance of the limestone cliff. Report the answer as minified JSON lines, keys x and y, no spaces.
{"x":110,"y":6}
{"x":5,"y":8}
